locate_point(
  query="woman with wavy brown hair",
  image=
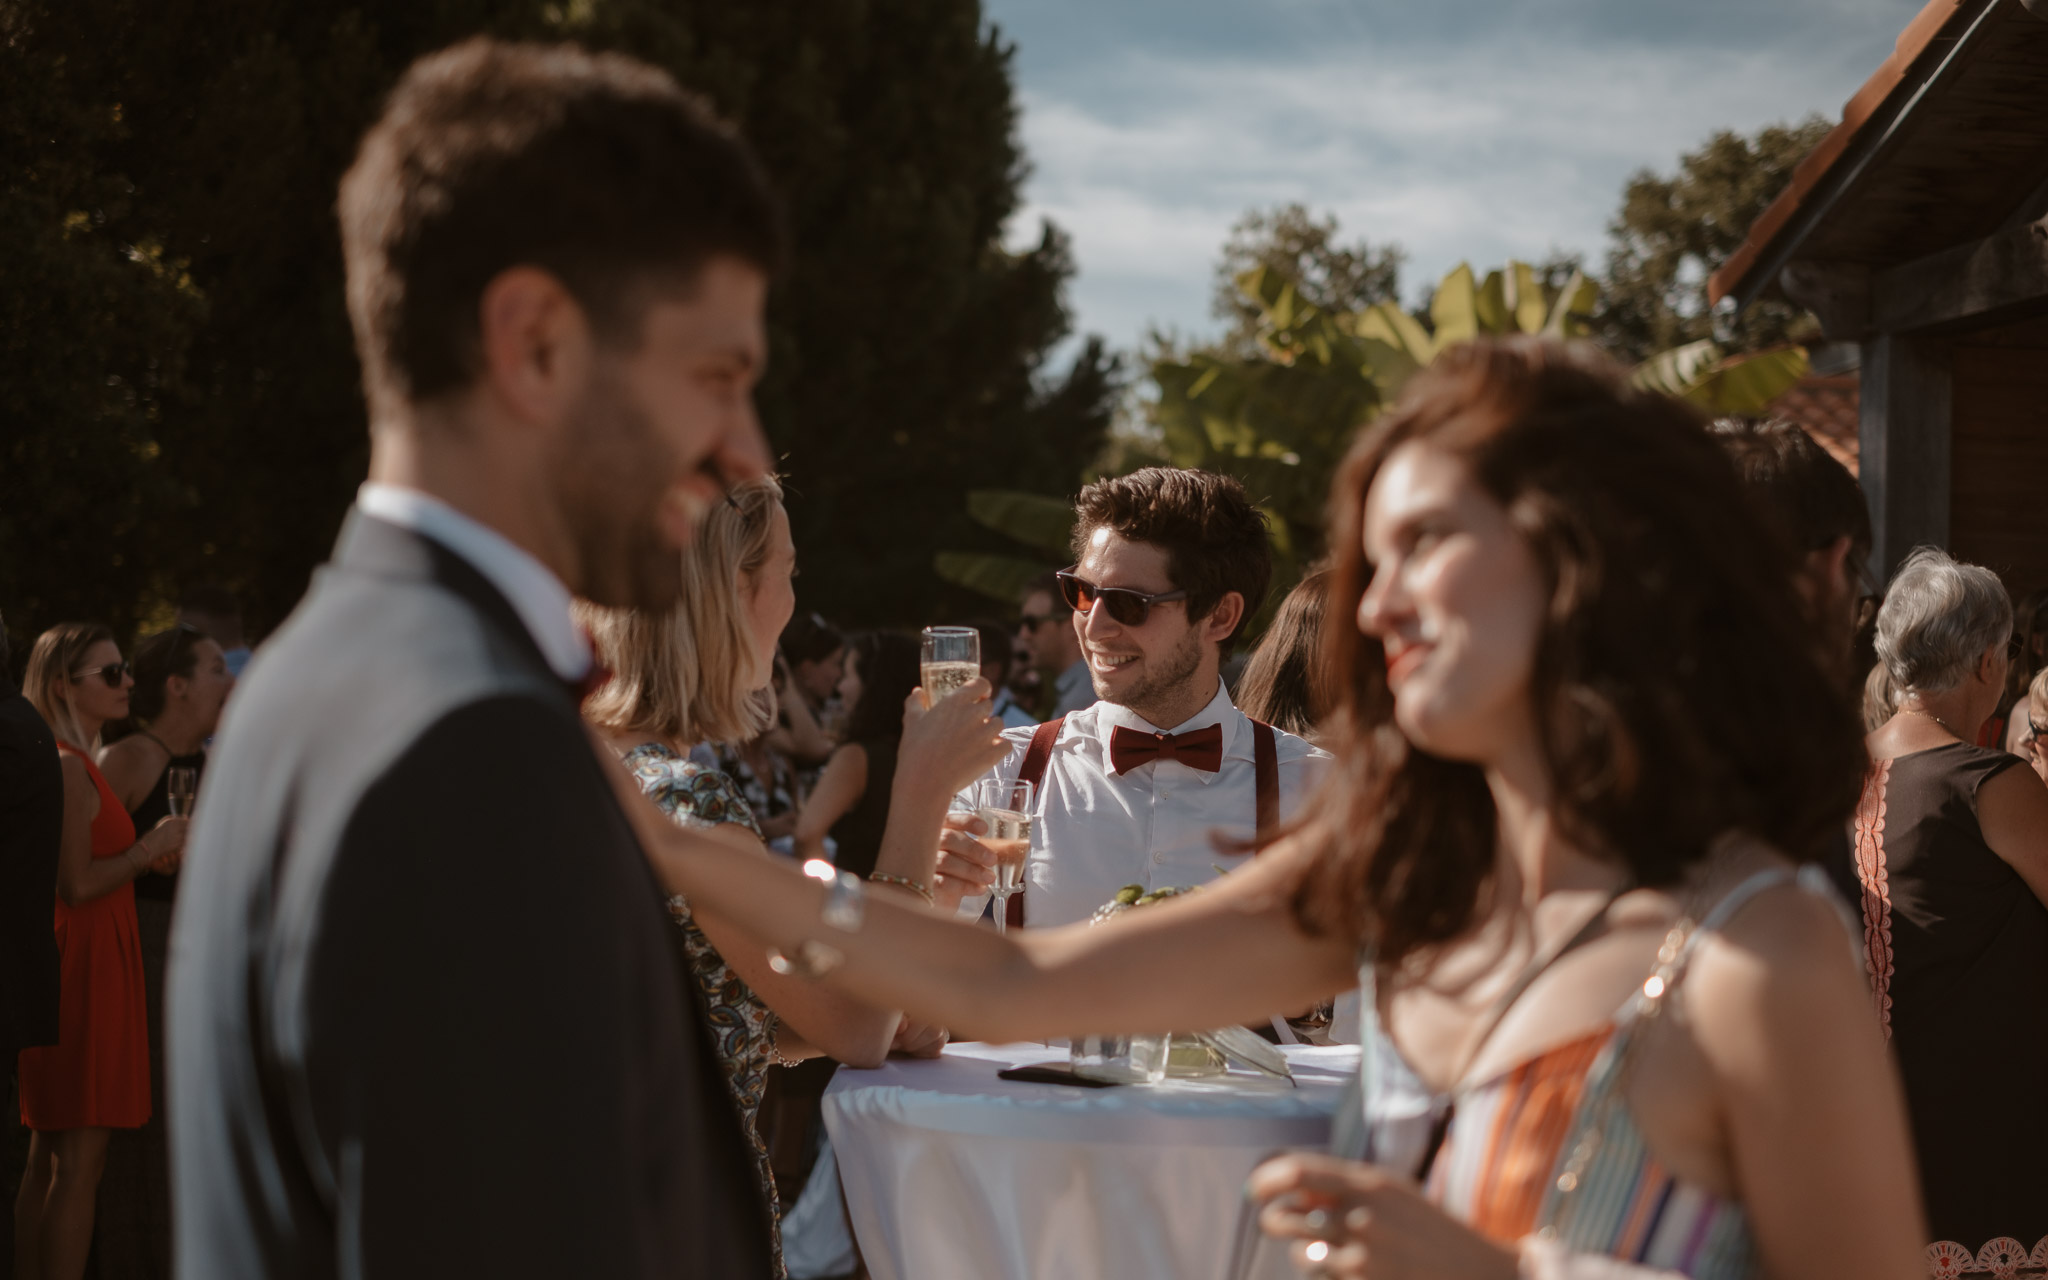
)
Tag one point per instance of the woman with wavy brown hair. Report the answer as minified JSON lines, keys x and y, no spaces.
{"x":1584,"y":742}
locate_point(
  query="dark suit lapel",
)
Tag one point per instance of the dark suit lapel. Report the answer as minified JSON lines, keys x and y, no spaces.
{"x":381,"y":549}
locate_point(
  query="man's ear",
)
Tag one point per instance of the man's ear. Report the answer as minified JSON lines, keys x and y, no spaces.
{"x":536,"y":344}
{"x":1223,"y":619}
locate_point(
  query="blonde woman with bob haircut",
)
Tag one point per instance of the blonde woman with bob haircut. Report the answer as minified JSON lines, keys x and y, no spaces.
{"x":701,"y":673}
{"x":96,"y":1077}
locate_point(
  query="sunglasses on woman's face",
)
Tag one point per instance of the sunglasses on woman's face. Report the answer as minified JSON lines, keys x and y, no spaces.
{"x":1128,"y":607}
{"x":112,"y":674}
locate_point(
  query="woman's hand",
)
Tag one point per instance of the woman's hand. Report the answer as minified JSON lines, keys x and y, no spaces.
{"x":954,"y":742}
{"x":164,"y":844}
{"x":966,"y":865}
{"x":1371,"y":1222}
{"x":918,"y":1039}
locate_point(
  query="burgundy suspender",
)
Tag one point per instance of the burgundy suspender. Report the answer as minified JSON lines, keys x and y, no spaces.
{"x":1265,"y":775}
{"x":1039,"y":753}
{"x":1036,"y":756}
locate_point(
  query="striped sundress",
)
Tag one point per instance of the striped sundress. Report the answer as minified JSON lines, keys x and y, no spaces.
{"x":1548,"y":1148}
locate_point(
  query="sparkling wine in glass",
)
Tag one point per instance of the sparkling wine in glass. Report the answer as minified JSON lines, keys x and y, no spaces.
{"x":951,"y":657}
{"x":1005,"y":807}
{"x":181,"y":784}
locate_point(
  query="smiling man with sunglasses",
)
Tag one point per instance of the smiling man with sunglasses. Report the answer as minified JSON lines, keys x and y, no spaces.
{"x":1137,"y":788}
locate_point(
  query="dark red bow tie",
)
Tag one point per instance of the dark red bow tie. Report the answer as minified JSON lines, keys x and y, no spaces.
{"x":1197,"y":748}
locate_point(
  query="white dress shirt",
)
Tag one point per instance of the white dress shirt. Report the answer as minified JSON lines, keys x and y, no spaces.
{"x":532,"y":589}
{"x":1155,"y":826}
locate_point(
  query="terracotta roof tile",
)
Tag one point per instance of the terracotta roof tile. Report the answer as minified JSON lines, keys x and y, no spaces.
{"x":1828,"y":409}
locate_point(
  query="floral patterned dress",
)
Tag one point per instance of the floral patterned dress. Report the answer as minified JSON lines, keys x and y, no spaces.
{"x":742,"y":1027}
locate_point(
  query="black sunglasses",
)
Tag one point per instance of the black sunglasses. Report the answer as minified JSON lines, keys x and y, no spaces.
{"x":1128,"y":607}
{"x":111,"y":674}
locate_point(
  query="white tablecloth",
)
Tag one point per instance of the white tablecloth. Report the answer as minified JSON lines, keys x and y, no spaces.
{"x":952,"y":1173}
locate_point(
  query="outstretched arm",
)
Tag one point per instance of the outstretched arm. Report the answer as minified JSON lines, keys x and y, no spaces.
{"x":1228,"y":954}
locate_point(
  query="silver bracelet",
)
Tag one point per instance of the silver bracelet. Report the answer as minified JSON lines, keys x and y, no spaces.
{"x":844,"y":907}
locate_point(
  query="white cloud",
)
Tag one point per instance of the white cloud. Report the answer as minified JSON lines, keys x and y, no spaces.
{"x":1483,"y":151}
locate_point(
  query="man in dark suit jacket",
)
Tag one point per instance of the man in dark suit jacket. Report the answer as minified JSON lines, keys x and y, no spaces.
{"x":424,"y":1014}
{"x":31,"y":824}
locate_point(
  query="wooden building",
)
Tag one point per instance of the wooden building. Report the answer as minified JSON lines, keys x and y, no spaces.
{"x":1919,"y":229}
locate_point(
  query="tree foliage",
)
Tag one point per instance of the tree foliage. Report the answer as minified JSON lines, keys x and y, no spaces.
{"x":1673,"y":232}
{"x":1293,"y":243}
{"x":176,"y":372}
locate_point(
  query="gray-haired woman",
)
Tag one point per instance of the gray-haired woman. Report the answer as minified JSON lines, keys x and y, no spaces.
{"x":1952,"y":854}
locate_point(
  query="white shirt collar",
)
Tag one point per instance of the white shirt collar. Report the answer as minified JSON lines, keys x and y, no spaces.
{"x":1220,"y":710}
{"x":535,"y":593}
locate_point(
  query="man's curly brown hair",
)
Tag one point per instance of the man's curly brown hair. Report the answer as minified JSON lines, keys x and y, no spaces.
{"x":1214,"y":538}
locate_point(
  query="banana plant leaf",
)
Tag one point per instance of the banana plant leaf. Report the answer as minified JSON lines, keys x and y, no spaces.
{"x":997,"y":577}
{"x":1038,"y":521}
{"x":1525,"y":298}
{"x":1678,"y":371}
{"x":1748,"y":384}
{"x":1455,"y":308}
{"x":1490,"y":305}
{"x":1574,"y":304}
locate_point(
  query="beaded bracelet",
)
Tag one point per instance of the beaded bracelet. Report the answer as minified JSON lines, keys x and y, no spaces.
{"x":905,"y":882}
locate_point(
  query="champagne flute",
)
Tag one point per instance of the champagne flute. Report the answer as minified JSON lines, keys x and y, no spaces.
{"x":181,"y":785}
{"x":951,"y":657}
{"x":1005,"y":808}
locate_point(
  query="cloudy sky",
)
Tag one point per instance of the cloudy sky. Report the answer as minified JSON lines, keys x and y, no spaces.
{"x":1459,"y":129}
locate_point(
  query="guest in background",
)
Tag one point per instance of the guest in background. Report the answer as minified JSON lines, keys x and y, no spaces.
{"x":215,"y":611}
{"x":1045,"y":627}
{"x":1024,"y":685}
{"x":2029,"y":658}
{"x":1880,"y":701}
{"x":1952,"y":853}
{"x":2036,"y":713}
{"x":995,"y":668}
{"x":1287,"y":683}
{"x":808,"y":714}
{"x":181,"y":683}
{"x":96,"y":1077}
{"x":851,"y":801}
{"x":31,"y":828}
{"x":1818,"y":509}
{"x":691,"y":673}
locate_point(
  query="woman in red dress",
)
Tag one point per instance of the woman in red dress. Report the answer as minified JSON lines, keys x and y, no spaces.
{"x":96,"y":1077}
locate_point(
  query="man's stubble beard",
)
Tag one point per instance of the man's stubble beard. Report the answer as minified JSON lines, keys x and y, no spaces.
{"x":1159,"y":688}
{"x":611,"y":477}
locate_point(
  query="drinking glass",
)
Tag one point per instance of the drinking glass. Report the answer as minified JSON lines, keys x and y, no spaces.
{"x":181,"y":784}
{"x":951,"y":657}
{"x":1005,"y":807}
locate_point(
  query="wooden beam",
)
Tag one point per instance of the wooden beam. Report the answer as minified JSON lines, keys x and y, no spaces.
{"x":1904,"y":438}
{"x":1964,"y":285}
{"x":1838,"y":294}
